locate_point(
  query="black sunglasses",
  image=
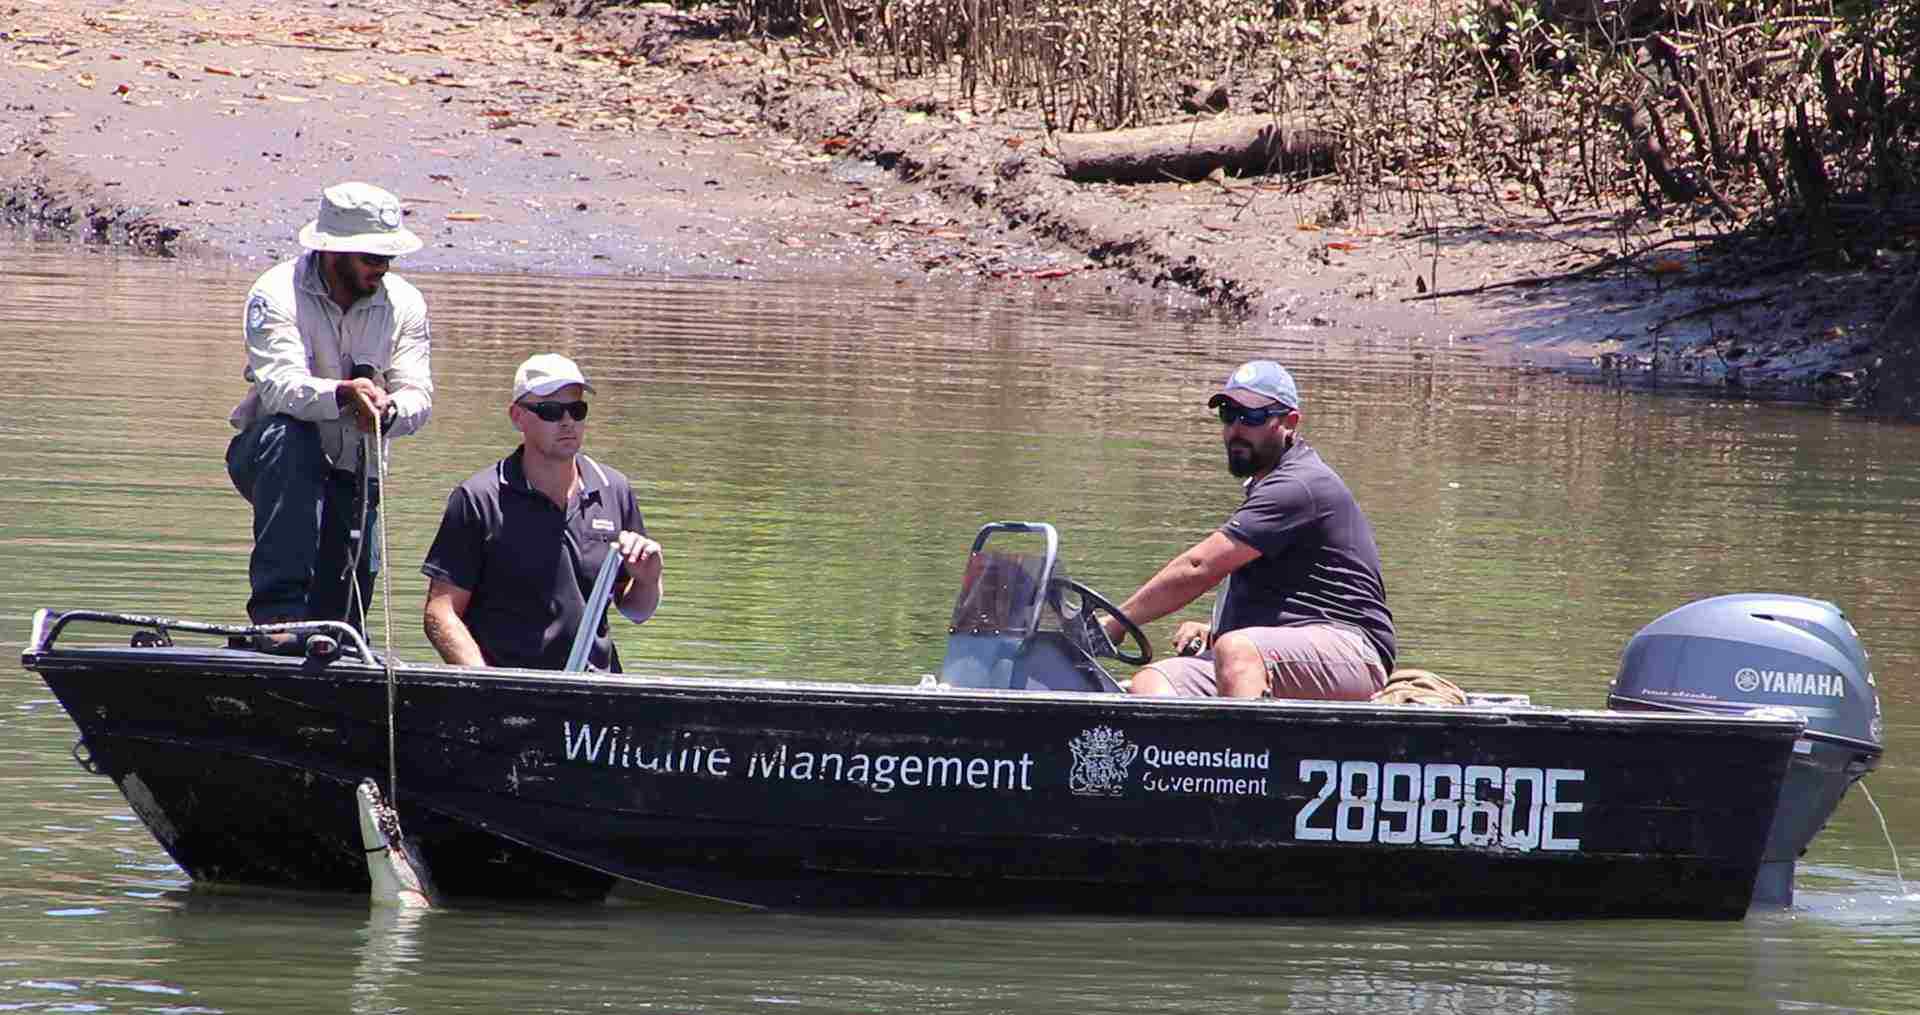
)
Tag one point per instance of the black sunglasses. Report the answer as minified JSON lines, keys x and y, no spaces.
{"x":1231,"y":414}
{"x":552,"y":411}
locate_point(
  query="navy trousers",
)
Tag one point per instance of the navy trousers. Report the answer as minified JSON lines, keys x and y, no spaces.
{"x":304,"y":516}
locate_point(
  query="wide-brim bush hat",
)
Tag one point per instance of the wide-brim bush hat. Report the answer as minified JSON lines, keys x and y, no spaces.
{"x":359,"y":218}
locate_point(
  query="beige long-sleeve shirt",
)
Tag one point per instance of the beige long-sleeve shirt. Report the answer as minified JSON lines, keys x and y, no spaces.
{"x":300,"y":346}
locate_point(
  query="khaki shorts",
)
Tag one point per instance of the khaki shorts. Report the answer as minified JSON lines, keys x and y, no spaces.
{"x":1321,"y":661}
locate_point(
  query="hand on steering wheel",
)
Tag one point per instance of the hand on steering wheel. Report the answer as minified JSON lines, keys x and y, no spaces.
{"x":1085,"y":615}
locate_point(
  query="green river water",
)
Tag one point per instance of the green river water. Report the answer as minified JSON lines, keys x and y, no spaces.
{"x":815,"y":461}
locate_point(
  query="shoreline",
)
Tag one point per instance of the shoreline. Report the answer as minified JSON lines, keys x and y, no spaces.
{"x":637,"y":143}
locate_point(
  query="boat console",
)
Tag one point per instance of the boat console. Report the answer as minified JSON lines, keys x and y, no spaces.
{"x":1021,"y":624}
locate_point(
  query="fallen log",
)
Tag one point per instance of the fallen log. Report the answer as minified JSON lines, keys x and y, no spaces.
{"x":1242,"y":145}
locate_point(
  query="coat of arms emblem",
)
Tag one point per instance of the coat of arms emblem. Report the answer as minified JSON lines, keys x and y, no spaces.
{"x":1100,"y":759}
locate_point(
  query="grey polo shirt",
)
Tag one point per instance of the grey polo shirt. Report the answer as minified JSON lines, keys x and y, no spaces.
{"x":1318,"y":562}
{"x":529,"y":565}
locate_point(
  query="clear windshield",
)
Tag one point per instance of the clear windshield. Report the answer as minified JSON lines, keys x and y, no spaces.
{"x":999,"y":595}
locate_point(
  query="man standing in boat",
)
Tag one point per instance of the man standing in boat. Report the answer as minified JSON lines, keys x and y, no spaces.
{"x":335,"y":346}
{"x":1304,"y":613}
{"x":523,"y":540}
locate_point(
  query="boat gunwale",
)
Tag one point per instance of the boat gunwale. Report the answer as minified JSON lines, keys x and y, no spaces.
{"x":844,"y":694}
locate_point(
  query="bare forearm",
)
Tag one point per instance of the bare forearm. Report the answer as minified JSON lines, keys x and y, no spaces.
{"x":1185,"y":577}
{"x":640,"y":592}
{"x":451,"y":638}
{"x":641,"y":599}
{"x":1180,"y":582}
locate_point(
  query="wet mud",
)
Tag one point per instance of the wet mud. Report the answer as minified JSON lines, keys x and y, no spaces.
{"x":640,"y":141}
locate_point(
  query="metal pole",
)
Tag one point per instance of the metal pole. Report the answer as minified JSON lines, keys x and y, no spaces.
{"x":596,"y":611}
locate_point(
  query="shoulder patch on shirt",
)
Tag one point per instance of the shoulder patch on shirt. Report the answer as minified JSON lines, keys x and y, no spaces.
{"x":602,"y":525}
{"x":256,"y":312}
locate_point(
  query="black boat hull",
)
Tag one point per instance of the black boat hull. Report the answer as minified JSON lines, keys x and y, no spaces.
{"x":522,"y":784}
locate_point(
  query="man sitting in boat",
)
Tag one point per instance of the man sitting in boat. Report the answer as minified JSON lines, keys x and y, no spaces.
{"x":1304,"y":613}
{"x":523,"y":540}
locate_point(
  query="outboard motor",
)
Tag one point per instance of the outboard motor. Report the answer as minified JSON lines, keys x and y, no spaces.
{"x":1731,"y":655}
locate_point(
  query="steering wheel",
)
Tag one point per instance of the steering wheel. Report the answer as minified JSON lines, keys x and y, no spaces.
{"x":1086,"y":611}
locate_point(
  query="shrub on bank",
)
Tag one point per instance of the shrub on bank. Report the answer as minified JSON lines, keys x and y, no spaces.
{"x":1736,"y":110}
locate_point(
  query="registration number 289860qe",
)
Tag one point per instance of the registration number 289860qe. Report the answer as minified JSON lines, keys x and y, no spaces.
{"x":1408,"y":803}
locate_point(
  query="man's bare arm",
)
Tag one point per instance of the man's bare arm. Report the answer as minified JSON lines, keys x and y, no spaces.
{"x":1184,"y":579}
{"x":446,"y":625}
{"x":640,"y":591}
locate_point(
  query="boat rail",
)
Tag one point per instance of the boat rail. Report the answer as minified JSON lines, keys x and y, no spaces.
{"x":48,"y":624}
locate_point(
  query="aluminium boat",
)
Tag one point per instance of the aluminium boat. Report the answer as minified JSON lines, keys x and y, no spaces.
{"x":1020,"y":777}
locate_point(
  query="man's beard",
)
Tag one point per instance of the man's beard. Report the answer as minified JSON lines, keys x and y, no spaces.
{"x":351,"y":283}
{"x":347,"y":281}
{"x":1243,"y":459}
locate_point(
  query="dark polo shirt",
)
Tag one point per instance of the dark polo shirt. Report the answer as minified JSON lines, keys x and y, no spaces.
{"x":529,"y":565}
{"x":1318,"y":562}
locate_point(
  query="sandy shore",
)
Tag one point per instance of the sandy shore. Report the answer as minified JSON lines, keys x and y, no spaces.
{"x":635,"y":143}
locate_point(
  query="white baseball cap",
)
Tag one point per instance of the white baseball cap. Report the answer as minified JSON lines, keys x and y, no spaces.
{"x":359,"y":218}
{"x":546,"y":373}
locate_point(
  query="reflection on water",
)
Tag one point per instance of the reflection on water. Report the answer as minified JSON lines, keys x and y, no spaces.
{"x":815,"y":462}
{"x":301,"y":954}
{"x":387,"y":955}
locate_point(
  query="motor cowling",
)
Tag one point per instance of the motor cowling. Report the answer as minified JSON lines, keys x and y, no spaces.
{"x":1737,"y":653}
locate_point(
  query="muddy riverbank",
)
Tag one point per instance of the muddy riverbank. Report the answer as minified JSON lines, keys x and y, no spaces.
{"x":641,"y":142}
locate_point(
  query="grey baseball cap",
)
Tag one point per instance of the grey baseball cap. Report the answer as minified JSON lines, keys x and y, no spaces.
{"x":1257,"y":384}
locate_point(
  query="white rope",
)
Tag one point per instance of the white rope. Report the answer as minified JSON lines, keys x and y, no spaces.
{"x":1897,"y":876}
{"x":373,"y":448}
{"x":377,"y":448}
{"x":356,"y":599}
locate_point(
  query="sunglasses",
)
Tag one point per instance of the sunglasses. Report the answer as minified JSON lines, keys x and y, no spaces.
{"x":1231,"y":414}
{"x":552,"y":411}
